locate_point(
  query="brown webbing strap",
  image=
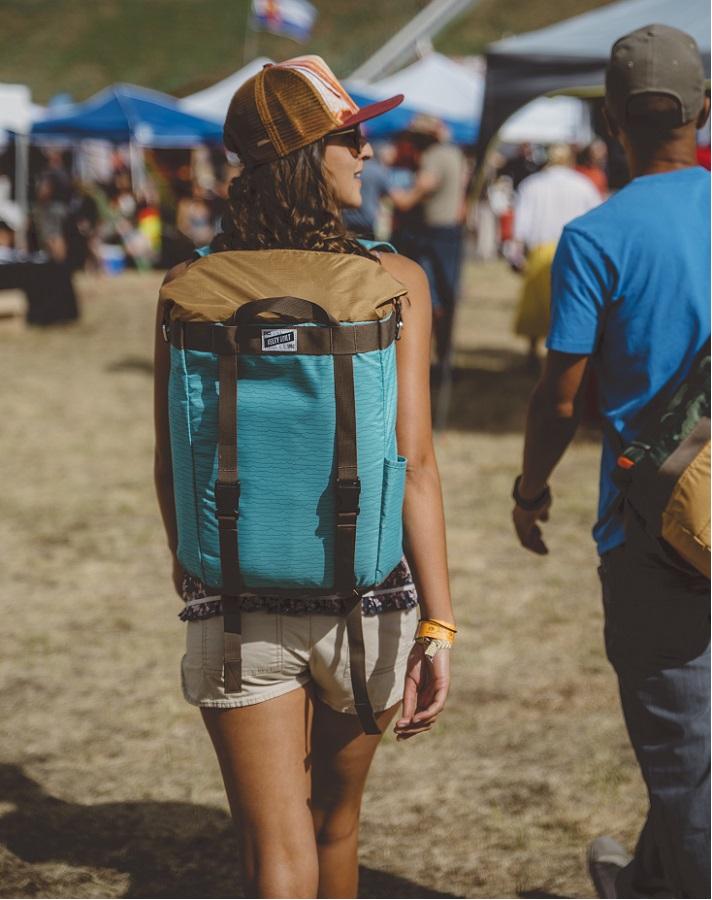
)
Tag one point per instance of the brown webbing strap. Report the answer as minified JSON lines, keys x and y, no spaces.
{"x":348,"y":490}
{"x":227,"y":501}
{"x":323,"y":340}
{"x":232,"y":644}
{"x":285,"y":307}
{"x":348,"y":485}
{"x":357,"y":665}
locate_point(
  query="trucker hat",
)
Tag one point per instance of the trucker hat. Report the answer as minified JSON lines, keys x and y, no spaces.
{"x":655,"y":59}
{"x":288,"y":105}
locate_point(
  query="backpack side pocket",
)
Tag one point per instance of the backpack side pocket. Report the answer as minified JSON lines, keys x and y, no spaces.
{"x":390,"y":543}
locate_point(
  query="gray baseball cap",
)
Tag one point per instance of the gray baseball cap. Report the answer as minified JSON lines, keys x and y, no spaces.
{"x":656,"y":59}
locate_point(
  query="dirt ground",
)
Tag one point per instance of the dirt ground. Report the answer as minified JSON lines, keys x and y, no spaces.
{"x":108,"y":785}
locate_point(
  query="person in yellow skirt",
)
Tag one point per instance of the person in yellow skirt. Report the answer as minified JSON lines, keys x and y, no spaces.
{"x":545,"y":203}
{"x":532,"y":319}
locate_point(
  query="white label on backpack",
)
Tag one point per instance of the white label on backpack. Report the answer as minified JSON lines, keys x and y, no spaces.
{"x":283,"y":340}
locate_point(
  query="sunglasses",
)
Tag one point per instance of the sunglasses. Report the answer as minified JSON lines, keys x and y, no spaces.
{"x":353,"y":138}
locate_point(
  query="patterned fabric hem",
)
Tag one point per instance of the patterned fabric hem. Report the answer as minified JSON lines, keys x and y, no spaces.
{"x":396,"y":592}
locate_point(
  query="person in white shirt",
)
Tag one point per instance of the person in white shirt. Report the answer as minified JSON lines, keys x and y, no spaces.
{"x":545,"y":202}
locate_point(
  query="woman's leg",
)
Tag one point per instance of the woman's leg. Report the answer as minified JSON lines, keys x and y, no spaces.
{"x":263,"y":752}
{"x":341,"y":757}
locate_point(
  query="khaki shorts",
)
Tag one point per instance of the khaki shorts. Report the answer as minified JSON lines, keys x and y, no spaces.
{"x":281,"y":653}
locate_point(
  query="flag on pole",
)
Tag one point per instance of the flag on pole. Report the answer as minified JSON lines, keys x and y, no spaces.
{"x":289,"y":18}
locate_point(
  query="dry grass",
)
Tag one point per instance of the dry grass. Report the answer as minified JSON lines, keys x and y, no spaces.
{"x":108,"y":786}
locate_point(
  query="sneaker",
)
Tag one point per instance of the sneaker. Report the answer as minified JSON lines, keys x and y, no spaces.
{"x":606,"y":858}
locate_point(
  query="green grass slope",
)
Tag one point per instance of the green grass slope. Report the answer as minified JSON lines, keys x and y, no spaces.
{"x":180,"y":46}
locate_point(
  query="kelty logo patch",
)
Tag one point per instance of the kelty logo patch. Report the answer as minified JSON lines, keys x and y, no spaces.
{"x":282,"y":339}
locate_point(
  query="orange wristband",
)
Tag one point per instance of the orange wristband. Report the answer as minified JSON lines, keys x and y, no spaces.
{"x":430,"y":628}
{"x":449,"y":625}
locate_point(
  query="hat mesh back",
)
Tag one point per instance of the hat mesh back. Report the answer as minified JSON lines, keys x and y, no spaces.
{"x":283,"y":108}
{"x":292,"y":112}
{"x":244,"y":130}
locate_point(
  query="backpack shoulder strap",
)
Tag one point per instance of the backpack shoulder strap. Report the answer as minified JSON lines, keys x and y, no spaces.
{"x":200,"y":252}
{"x":377,"y":245}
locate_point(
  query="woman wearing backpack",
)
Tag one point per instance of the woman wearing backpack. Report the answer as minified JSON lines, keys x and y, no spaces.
{"x":293,"y":754}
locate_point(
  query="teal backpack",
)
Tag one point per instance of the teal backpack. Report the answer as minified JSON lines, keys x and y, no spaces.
{"x":282,"y":408}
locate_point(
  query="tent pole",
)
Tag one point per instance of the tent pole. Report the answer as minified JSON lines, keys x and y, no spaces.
{"x":478,"y":178}
{"x":137,"y":166}
{"x":22,"y":178}
{"x":401,"y":48}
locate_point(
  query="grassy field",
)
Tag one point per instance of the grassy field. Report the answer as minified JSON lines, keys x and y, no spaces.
{"x":108,"y":785}
{"x":181,"y":46}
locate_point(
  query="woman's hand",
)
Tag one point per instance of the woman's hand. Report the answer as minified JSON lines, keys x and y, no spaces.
{"x":426,"y":686}
{"x":178,"y":575}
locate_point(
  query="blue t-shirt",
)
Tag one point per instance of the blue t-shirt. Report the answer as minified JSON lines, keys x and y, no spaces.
{"x":631,"y":285}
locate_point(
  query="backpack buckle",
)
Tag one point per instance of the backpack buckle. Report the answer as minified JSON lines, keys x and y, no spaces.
{"x":166,"y":322}
{"x":227,"y":500}
{"x":348,"y":493}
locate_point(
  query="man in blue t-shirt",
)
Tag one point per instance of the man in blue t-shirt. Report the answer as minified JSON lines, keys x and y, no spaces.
{"x":630,"y":294}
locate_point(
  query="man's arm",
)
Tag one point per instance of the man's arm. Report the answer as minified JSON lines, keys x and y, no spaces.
{"x":582,"y":281}
{"x":425,"y":183}
{"x":552,"y":419}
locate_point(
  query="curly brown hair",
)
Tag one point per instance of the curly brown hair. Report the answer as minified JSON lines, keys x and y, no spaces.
{"x":286,"y":204}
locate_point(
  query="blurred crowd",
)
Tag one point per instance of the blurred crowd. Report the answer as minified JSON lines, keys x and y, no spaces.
{"x":115,"y":220}
{"x":415,"y":191}
{"x":418,"y":192}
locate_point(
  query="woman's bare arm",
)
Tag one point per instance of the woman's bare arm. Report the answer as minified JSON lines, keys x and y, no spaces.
{"x":427,"y":682}
{"x":162,"y":467}
{"x":423,"y":516}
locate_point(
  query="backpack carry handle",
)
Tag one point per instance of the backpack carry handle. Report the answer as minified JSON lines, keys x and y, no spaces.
{"x":292,"y":308}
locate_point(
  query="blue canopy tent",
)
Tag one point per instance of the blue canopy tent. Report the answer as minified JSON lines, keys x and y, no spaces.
{"x":124,"y":113}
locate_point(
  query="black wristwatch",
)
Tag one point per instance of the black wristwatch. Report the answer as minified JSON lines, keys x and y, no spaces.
{"x":530,"y":505}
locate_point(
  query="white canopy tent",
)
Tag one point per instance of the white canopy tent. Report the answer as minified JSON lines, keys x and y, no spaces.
{"x":17,"y":112}
{"x":212,"y":103}
{"x":550,"y":120}
{"x":16,"y":108}
{"x":434,"y":85}
{"x":454,"y":92}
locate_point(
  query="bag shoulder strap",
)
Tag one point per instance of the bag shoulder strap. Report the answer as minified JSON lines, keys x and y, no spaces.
{"x":654,"y":411}
{"x":669,"y":398}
